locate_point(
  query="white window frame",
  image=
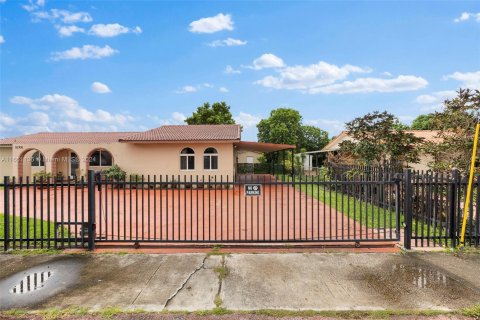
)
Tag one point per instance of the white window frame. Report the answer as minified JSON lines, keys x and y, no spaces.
{"x":100,"y":158}
{"x":210,"y":155}
{"x":186,"y":155}
{"x":40,"y":154}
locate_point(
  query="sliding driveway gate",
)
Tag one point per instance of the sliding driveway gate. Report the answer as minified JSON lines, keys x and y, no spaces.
{"x":198,"y":209}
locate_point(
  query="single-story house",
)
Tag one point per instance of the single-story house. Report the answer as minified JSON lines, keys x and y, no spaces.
{"x":332,"y":148}
{"x":210,"y":150}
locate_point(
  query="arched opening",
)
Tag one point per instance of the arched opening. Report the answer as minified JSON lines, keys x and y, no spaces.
{"x":210,"y":159}
{"x":30,"y":162}
{"x":187,"y":159}
{"x":66,"y":163}
{"x":99,"y":159}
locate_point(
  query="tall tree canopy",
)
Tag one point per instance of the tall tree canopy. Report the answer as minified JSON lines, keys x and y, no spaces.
{"x":456,"y":122}
{"x":313,"y":138}
{"x":377,"y":137}
{"x":424,"y":122}
{"x":285,"y":126}
{"x":217,"y":113}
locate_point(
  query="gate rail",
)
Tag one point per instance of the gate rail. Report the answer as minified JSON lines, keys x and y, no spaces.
{"x":58,"y":213}
{"x":196,"y":209}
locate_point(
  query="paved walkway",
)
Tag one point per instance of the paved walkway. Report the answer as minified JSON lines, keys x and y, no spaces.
{"x":281,"y":213}
{"x":298,"y":281}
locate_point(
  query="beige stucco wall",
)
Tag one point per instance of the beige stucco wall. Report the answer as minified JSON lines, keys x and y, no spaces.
{"x":243,"y":154}
{"x":5,"y":161}
{"x":134,"y":158}
{"x":422,"y":164}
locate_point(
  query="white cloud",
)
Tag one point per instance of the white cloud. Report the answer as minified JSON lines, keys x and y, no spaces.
{"x":247,"y":120}
{"x":386,"y":74}
{"x":86,"y":52}
{"x":67,"y":31}
{"x":230,"y":70}
{"x":465,"y":16}
{"x":68,"y":109}
{"x":435,"y":97}
{"x":39,"y":118}
{"x":178,"y":117}
{"x":99,"y":87}
{"x":32,"y":5}
{"x":223,"y":89}
{"x":229,"y":42}
{"x":308,"y":78}
{"x":6,"y":120}
{"x":191,"y":88}
{"x":112,"y":30}
{"x":212,"y":24}
{"x":367,"y":85}
{"x":468,"y":79}
{"x":63,"y":15}
{"x":187,"y":89}
{"x":333,"y":127}
{"x":175,"y":118}
{"x":267,"y":60}
{"x":2,"y":39}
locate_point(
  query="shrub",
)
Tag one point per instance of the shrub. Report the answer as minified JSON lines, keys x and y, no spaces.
{"x":42,"y":175}
{"x":115,"y":172}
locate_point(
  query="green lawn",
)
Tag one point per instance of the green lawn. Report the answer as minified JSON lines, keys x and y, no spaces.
{"x":29,"y":228}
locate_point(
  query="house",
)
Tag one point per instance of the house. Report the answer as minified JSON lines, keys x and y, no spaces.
{"x":178,"y":150}
{"x":332,"y":148}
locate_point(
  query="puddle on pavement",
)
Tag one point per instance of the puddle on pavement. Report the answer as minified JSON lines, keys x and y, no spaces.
{"x":422,"y":277}
{"x":34,"y":285}
{"x":407,"y":284}
{"x":32,"y":282}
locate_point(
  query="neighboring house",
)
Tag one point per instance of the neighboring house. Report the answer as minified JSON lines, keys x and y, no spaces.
{"x":332,"y":148}
{"x":178,"y":150}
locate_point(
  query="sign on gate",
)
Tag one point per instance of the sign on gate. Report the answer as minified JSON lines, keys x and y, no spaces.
{"x":253,"y":189}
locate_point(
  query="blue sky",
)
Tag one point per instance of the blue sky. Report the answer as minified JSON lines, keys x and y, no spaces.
{"x":135,"y":65}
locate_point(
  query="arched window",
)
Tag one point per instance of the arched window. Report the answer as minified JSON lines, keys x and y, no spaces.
{"x":100,"y":158}
{"x":210,"y":159}
{"x":187,"y":159}
{"x":38,"y":160}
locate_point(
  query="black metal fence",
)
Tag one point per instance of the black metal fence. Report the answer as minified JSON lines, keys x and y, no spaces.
{"x":254,"y":209}
{"x":196,"y":209}
{"x":433,"y":204}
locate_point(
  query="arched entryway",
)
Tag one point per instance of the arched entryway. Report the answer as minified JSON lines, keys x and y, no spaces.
{"x":30,"y":161}
{"x":66,"y":163}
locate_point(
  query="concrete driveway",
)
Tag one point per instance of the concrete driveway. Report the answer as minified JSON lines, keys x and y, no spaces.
{"x":294,"y":281}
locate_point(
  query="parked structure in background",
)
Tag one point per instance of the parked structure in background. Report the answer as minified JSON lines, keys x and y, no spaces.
{"x":331,"y":150}
{"x":209,"y":150}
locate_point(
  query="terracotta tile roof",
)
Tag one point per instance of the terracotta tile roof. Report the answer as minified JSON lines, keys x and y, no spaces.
{"x":67,"y":138}
{"x":334,"y":144}
{"x":188,"y":133}
{"x":428,"y":135}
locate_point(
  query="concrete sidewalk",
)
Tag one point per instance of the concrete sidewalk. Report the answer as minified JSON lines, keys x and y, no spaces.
{"x":292,"y":281}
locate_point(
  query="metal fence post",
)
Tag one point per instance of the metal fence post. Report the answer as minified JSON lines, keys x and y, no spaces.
{"x":91,"y":209}
{"x":6,"y":213}
{"x":452,"y":208}
{"x":408,"y":210}
{"x":397,"y":205}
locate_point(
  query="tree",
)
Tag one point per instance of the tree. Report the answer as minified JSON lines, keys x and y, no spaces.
{"x":217,"y":113}
{"x":378,"y":138}
{"x":456,"y":124}
{"x":424,"y":122}
{"x":312,"y":138}
{"x":283,"y":126}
